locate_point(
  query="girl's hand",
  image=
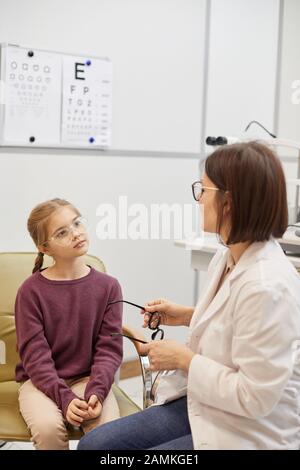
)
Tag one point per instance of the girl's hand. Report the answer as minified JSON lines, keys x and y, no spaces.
{"x":77,"y":412}
{"x":167,"y":355}
{"x":94,"y":407}
{"x":170,"y":314}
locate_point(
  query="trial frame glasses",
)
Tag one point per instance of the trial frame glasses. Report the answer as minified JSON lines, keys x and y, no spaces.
{"x":158,"y":333}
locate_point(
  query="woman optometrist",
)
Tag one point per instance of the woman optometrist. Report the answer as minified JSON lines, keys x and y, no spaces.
{"x":235,"y":384}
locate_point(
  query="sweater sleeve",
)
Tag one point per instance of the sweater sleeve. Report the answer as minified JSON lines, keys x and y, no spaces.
{"x":35,"y":352}
{"x":108,"y":351}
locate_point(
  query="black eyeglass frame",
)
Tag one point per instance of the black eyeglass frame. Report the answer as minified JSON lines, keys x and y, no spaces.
{"x":156,"y":328}
{"x":203,"y":188}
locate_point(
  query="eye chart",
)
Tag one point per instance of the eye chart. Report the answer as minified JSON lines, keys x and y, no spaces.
{"x":50,"y":99}
{"x":31,"y":97}
{"x":86,"y":113}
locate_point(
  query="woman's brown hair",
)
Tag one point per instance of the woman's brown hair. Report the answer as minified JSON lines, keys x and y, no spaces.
{"x":37,"y":224}
{"x":253,"y":176}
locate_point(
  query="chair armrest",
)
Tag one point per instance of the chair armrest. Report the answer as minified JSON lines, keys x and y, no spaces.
{"x":144,"y":363}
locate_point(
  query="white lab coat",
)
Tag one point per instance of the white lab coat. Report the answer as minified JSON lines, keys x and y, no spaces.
{"x":243,"y":385}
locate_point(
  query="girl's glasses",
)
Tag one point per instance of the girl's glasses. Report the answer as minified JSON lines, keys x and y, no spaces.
{"x":153,"y":324}
{"x":65,"y":235}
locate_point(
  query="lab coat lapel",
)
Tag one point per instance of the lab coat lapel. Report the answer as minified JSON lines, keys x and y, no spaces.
{"x":204,"y":308}
{"x":210,"y":305}
{"x":217,"y":302}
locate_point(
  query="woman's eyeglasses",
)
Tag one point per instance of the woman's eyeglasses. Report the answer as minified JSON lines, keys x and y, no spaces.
{"x":153,"y":324}
{"x":198,"y":189}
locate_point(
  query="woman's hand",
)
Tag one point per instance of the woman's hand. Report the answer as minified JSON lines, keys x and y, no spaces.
{"x":77,"y":412}
{"x":94,"y":407}
{"x":167,"y":355}
{"x":170,"y":314}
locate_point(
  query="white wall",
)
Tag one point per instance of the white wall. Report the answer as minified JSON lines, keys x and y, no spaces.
{"x":242,"y":65}
{"x":289,"y":116}
{"x":289,"y":113}
{"x":156,"y":48}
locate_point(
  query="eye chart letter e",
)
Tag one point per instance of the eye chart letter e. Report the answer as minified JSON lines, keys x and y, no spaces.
{"x":86,"y":112}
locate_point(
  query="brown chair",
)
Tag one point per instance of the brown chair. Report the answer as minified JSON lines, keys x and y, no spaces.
{"x":14,"y":269}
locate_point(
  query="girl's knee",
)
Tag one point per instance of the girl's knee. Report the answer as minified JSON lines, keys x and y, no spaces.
{"x":50,"y":435}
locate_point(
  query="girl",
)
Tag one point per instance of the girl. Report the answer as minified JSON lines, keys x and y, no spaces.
{"x":63,"y":324}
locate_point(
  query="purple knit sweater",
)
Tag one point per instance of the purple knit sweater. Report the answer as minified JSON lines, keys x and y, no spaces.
{"x":63,"y":332}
